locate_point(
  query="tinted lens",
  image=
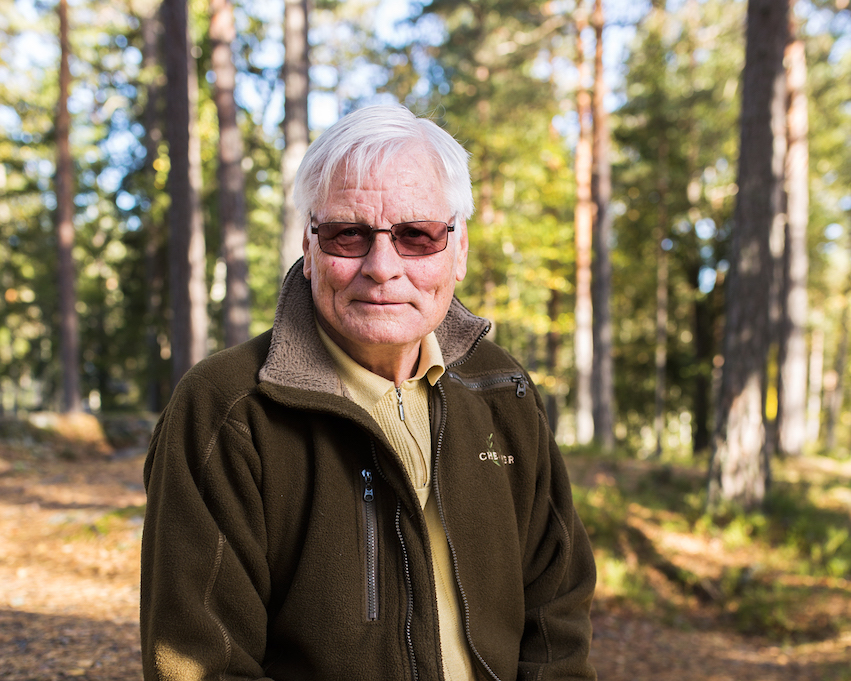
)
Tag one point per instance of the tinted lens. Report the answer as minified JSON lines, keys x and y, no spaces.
{"x":410,"y":239}
{"x":350,"y":240}
{"x":420,"y":238}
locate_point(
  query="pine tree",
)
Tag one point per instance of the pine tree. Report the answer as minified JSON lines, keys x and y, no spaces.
{"x":66,"y":277}
{"x":740,"y":469}
{"x":295,"y":124}
{"x":237,"y":312}
{"x":186,"y":232}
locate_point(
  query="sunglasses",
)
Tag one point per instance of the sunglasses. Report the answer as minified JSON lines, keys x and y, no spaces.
{"x":410,"y":239}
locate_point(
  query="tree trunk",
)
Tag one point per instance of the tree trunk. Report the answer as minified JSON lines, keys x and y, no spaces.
{"x":156,"y":391}
{"x":69,"y":334}
{"x":792,"y":396}
{"x":816,"y":380}
{"x":661,"y":354}
{"x":739,"y":470}
{"x":602,"y":373}
{"x":703,"y":346}
{"x":583,"y":224}
{"x":553,"y":344}
{"x":186,"y":230}
{"x":237,"y":313}
{"x":834,"y":388}
{"x":296,"y":130}
{"x":662,"y":270}
{"x":703,"y":318}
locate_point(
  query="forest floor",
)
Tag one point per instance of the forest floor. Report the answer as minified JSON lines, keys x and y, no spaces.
{"x":678,"y":599}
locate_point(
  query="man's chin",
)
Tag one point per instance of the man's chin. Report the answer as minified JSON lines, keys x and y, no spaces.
{"x":387,"y":330}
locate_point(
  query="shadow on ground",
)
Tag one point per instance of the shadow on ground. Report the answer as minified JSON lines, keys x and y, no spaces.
{"x":37,"y":647}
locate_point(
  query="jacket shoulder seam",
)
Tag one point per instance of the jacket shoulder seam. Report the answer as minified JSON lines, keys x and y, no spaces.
{"x":208,"y":450}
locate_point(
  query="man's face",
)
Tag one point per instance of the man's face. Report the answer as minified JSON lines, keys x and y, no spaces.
{"x":382,"y":300}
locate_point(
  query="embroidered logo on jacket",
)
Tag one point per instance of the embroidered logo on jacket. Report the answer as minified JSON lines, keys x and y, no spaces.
{"x":493,"y":456}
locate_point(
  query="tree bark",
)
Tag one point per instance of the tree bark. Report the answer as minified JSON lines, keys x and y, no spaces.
{"x":792,"y":393}
{"x":156,"y":374}
{"x":703,"y":317}
{"x":186,"y":230}
{"x":296,"y":129}
{"x":553,"y":343}
{"x":739,"y":470}
{"x":834,"y":384}
{"x":583,"y":340}
{"x":816,"y":379}
{"x":602,"y":373}
{"x":662,"y":276}
{"x":703,"y":351}
{"x":69,"y":334}
{"x":661,"y":354}
{"x":236,"y":312}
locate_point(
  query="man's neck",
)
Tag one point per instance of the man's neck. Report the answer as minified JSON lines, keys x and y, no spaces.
{"x":396,"y":363}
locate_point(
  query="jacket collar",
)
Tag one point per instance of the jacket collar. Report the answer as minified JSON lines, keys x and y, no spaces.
{"x":298,"y":359}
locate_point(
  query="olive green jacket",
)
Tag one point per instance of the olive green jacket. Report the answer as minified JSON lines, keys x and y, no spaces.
{"x":284,"y":540}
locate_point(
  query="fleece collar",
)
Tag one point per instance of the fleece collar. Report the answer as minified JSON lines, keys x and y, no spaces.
{"x":298,"y":359}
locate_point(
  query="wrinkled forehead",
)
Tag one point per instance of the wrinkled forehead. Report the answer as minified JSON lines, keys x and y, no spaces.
{"x":365,"y":166}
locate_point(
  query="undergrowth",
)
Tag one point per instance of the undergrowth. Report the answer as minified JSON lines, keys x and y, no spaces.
{"x":782,"y":572}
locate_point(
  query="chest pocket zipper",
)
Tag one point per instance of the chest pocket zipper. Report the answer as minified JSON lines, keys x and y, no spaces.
{"x":518,"y":380}
{"x":370,"y":517}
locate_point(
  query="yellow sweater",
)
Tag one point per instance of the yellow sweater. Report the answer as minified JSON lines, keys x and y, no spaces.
{"x":403,"y":416}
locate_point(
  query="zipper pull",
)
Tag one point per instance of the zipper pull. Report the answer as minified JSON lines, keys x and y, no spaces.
{"x":521,"y":385}
{"x":401,"y":407}
{"x":368,"y":491}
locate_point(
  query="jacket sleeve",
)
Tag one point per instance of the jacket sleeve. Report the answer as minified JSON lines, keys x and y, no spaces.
{"x":560,"y":576}
{"x":205,"y":580}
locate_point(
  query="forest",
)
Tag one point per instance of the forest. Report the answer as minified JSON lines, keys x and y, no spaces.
{"x":662,"y":232}
{"x":144,"y":206}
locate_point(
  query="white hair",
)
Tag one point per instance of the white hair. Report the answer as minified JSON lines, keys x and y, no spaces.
{"x":366,"y":139}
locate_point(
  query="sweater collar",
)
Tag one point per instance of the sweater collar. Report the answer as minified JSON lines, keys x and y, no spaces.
{"x":298,"y":359}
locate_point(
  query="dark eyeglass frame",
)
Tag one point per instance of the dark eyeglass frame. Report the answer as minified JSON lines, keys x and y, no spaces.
{"x":394,"y":238}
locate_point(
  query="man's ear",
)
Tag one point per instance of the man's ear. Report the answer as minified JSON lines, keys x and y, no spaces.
{"x":308,"y":261}
{"x":462,"y":249}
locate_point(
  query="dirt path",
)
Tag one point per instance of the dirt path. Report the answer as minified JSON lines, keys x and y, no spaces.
{"x":69,"y":569}
{"x":69,"y":572}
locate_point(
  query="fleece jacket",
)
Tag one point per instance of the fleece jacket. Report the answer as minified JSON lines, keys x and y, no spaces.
{"x":283,"y":538}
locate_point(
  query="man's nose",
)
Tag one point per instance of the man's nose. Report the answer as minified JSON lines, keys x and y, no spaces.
{"x":382,"y":262}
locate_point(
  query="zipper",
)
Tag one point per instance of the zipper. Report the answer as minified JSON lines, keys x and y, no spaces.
{"x":399,"y":402}
{"x":371,"y":538}
{"x":438,"y":446}
{"x":409,"y":586}
{"x":409,"y":589}
{"x":472,"y":349}
{"x":518,"y":380}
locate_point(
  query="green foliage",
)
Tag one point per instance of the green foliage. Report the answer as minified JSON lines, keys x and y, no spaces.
{"x":779,"y":573}
{"x":28,"y":298}
{"x":793,"y":522}
{"x":492,"y":83}
{"x":501,"y":76}
{"x":674,"y":179}
{"x":115,"y":520}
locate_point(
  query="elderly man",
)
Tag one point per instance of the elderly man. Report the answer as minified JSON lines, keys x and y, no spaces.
{"x":370,"y":489}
